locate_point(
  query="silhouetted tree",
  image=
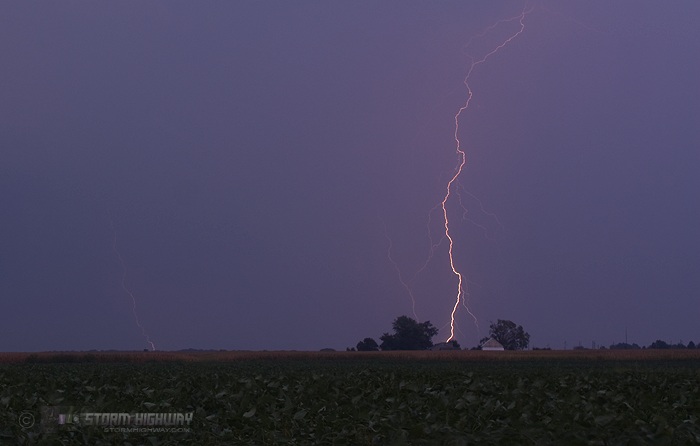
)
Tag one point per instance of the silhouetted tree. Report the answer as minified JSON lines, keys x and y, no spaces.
{"x":511,"y":336}
{"x":367,"y":345}
{"x":659,"y":344}
{"x":691,"y":344}
{"x":409,"y":335}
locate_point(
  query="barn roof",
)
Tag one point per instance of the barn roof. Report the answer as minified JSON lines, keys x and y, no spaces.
{"x":492,"y":343}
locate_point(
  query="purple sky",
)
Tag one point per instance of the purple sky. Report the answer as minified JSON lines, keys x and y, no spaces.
{"x":249,"y":154}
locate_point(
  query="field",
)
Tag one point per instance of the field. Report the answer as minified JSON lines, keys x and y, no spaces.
{"x":539,"y":397}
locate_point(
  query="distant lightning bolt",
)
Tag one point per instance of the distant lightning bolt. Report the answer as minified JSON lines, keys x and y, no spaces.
{"x":462,"y":158}
{"x":433,"y":245}
{"x":405,"y":284}
{"x":127,"y":290}
{"x":431,"y":251}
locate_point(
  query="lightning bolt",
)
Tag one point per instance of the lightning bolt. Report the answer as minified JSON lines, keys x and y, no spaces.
{"x":126,"y":288}
{"x":462,"y":160}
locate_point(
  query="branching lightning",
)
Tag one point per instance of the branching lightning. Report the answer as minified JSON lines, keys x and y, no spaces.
{"x":465,"y":211}
{"x":462,"y":160}
{"x":405,"y":284}
{"x":127,"y":290}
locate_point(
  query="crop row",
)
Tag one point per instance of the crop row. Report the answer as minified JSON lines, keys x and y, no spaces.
{"x":364,"y":402}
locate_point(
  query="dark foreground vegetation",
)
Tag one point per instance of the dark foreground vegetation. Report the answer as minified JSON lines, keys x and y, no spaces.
{"x":462,"y":397}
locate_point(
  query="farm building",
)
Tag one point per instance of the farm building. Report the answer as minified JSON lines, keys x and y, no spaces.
{"x":492,"y":345}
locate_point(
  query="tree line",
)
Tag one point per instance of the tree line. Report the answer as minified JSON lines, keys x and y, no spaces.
{"x":410,"y":334}
{"x":658,"y":344}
